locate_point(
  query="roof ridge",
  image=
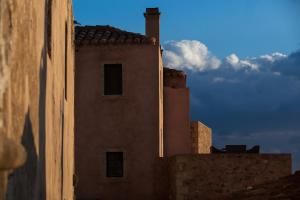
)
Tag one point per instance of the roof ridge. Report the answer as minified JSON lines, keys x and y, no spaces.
{"x":106,"y":34}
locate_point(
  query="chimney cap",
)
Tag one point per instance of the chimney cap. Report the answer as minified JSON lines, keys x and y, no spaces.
{"x":152,"y":11}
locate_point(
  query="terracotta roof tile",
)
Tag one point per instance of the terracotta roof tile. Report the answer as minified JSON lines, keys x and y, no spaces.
{"x":101,"y":35}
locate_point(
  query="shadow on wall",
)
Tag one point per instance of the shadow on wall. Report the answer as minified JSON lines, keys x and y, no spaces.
{"x":28,"y":182}
{"x":42,"y":121}
{"x":23,"y":181}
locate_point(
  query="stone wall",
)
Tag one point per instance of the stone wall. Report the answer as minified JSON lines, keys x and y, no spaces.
{"x":208,"y":176}
{"x":282,"y":189}
{"x":36,"y":69}
{"x":201,"y":137}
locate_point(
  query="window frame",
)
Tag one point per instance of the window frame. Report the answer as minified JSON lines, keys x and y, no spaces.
{"x":102,"y":166}
{"x":106,"y":165}
{"x":104,"y":92}
{"x":49,"y":13}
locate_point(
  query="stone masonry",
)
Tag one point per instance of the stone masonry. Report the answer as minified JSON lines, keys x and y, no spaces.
{"x":210,"y":176}
{"x":201,"y":137}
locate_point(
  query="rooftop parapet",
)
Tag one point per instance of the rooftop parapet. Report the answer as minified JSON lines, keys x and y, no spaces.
{"x":174,"y":78}
{"x":236,"y":149}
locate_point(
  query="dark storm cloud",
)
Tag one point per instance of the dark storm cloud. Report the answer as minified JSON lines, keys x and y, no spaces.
{"x":289,"y":66}
{"x":251,"y":100}
{"x":239,"y":101}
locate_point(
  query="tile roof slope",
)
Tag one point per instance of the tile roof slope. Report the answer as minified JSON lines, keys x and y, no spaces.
{"x":101,"y":35}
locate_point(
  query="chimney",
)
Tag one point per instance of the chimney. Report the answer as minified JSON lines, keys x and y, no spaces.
{"x":152,"y":23}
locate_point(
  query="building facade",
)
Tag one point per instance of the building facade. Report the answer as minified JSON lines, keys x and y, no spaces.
{"x":134,"y":138}
{"x":36,"y":99}
{"x":177,"y":136}
{"x":118,"y":111}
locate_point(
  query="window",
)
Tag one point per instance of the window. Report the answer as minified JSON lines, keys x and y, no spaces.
{"x":113,"y":79}
{"x":114,"y":164}
{"x":49,"y":27}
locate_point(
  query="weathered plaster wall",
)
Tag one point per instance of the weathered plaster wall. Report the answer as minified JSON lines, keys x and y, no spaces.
{"x":207,"y":176}
{"x":176,"y":103}
{"x":161,"y":104}
{"x":201,"y":136}
{"x":5,"y":46}
{"x":130,"y":123}
{"x":178,"y":139}
{"x":34,"y":111}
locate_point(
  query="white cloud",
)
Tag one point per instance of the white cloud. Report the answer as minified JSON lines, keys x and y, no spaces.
{"x":253,"y":63}
{"x":218,"y":79}
{"x":277,"y":73}
{"x":194,"y":55}
{"x":189,"y":54}
{"x":236,"y":63}
{"x":273,"y":57}
{"x":233,"y":59}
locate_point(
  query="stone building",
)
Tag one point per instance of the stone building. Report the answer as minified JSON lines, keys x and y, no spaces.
{"x":176,"y":113}
{"x":134,"y":138}
{"x":118,"y":111}
{"x":182,"y":136}
{"x":36,"y":99}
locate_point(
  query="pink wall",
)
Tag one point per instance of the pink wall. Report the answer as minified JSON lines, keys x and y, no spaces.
{"x":176,"y":121}
{"x":176,"y":114}
{"x":128,"y":123}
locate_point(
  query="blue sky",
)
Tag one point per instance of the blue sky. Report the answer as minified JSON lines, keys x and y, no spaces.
{"x":242,"y":58}
{"x":250,"y":28}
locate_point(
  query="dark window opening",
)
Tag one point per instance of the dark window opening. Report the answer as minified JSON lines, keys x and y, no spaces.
{"x":114,"y":164}
{"x":49,"y":27}
{"x":113,"y":79}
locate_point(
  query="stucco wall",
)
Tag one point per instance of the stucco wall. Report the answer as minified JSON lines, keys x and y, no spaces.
{"x":178,"y":139}
{"x":35,"y":111}
{"x":130,"y":123}
{"x":207,"y":176}
{"x":201,"y":137}
{"x":176,"y":103}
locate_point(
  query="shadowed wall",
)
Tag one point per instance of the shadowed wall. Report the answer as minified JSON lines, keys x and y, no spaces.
{"x":128,"y":123}
{"x":36,"y":110}
{"x":208,"y":176}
